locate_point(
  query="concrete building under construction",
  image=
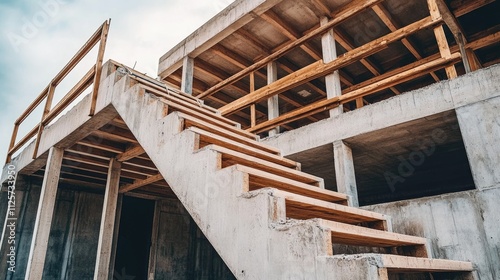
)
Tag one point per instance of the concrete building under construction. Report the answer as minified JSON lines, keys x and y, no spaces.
{"x":283,"y":139}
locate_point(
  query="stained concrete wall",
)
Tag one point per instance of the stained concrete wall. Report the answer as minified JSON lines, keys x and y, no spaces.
{"x":460,"y":226}
{"x":183,"y":252}
{"x":73,"y":236}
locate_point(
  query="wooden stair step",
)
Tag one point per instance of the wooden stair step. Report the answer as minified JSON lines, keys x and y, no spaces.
{"x":207,"y":138}
{"x":403,"y":264}
{"x":190,"y":121}
{"x":303,"y":207}
{"x":261,"y":179}
{"x":162,"y":90}
{"x":197,"y":110}
{"x":361,"y":236}
{"x":231,"y":157}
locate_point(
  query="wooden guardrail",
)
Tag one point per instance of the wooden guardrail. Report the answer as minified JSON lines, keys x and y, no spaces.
{"x":49,"y":113}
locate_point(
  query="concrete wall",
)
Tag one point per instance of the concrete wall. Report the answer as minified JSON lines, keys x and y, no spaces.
{"x":73,"y":236}
{"x":183,"y":252}
{"x":461,"y":226}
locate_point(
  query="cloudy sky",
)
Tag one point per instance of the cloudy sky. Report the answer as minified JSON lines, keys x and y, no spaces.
{"x":38,"y":37}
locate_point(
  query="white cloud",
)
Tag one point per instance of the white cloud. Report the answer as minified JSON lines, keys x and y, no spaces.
{"x":38,"y":39}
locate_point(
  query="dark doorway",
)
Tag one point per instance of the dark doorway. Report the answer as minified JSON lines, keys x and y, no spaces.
{"x":134,"y":239}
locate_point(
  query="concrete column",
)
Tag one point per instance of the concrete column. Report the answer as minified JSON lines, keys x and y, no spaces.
{"x":480,"y":128}
{"x":187,"y":75}
{"x":105,"y":245}
{"x":329,"y":48}
{"x":344,"y":171}
{"x":273,"y":107}
{"x":41,"y":232}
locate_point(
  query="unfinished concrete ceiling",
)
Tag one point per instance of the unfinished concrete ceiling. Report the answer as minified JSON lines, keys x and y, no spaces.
{"x":266,"y":32}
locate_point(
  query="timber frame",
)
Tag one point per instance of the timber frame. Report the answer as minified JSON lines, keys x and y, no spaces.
{"x":403,"y":46}
{"x":50,"y":113}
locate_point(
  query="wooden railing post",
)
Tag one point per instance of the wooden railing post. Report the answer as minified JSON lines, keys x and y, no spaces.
{"x":12,"y":142}
{"x":442,"y":42}
{"x":253,"y":113}
{"x":98,"y":66}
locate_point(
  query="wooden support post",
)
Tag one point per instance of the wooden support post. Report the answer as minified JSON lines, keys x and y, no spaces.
{"x":465,"y":58}
{"x":41,"y":232}
{"x":344,"y":172}
{"x":442,"y":42}
{"x":116,"y":231}
{"x":360,"y":102}
{"x":187,"y":75}
{"x":154,"y":241}
{"x":98,"y":65}
{"x":475,"y":64}
{"x":104,"y":247}
{"x":253,"y":112}
{"x":12,"y":142}
{"x":333,"y":87}
{"x":273,"y":108}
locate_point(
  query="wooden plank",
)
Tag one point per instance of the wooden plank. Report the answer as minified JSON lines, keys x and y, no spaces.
{"x":319,"y":68}
{"x":261,"y":179}
{"x":230,"y":157}
{"x":130,"y":153}
{"x":361,"y":236}
{"x":376,"y":84}
{"x":141,"y":183}
{"x":411,"y":264}
{"x":105,"y":243}
{"x":347,"y":11}
{"x":388,"y":20}
{"x":253,"y":115}
{"x":462,"y":7}
{"x":211,"y":138}
{"x":154,"y":241}
{"x":191,"y":121}
{"x":303,"y":207}
{"x":190,"y":107}
{"x":442,"y":42}
{"x":45,"y":212}
{"x":78,"y":89}
{"x":457,"y":31}
{"x":98,"y":66}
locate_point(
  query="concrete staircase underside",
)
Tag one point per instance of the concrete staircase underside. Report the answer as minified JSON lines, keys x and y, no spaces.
{"x":265,"y":218}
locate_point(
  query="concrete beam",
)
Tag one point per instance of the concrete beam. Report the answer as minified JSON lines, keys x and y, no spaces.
{"x":332,"y":81}
{"x":273,"y":107}
{"x":41,"y":232}
{"x":105,"y":245}
{"x":187,"y":75}
{"x":236,"y":15}
{"x":344,"y":172}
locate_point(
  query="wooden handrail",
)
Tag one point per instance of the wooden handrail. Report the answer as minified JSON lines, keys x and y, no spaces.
{"x":49,"y":113}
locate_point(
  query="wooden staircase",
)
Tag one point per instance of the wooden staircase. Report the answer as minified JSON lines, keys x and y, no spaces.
{"x":283,"y":206}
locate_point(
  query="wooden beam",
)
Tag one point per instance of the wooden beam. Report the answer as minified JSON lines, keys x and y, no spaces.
{"x":130,"y":153}
{"x":387,"y":19}
{"x":141,"y":183}
{"x":253,"y":120}
{"x":442,"y":42}
{"x":457,"y":31}
{"x":384,"y":81}
{"x":347,"y":11}
{"x":318,"y":69}
{"x":462,"y":7}
{"x":105,"y":243}
{"x":285,"y":28}
{"x":241,"y":62}
{"x":45,"y":212}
